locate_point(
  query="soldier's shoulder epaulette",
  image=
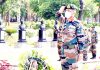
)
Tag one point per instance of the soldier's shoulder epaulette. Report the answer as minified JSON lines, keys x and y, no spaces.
{"x":75,"y":23}
{"x":79,"y":23}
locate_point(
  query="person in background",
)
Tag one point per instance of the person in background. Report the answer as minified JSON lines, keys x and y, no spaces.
{"x":86,"y":44}
{"x":94,"y":41}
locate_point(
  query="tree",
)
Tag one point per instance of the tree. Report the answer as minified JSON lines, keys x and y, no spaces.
{"x":98,"y":1}
{"x":23,"y":9}
{"x":48,"y":8}
{"x":34,"y":5}
{"x":1,"y":6}
{"x":50,"y":11}
{"x":98,"y":4}
{"x":7,"y":7}
{"x":81,"y":10}
{"x":89,"y":9}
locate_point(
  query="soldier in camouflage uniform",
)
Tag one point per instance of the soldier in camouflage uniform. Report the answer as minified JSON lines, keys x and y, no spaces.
{"x":86,"y":44}
{"x":93,"y":42}
{"x":72,"y":35}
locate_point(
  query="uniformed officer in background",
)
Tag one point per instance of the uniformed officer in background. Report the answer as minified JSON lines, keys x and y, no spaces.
{"x":94,"y":41}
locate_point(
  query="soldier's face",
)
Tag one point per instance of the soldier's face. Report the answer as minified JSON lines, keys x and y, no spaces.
{"x":92,"y":28}
{"x":69,"y":13}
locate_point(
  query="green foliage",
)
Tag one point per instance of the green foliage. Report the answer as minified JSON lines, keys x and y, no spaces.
{"x":23,"y":10}
{"x":13,"y":14}
{"x":29,"y":34}
{"x":33,"y":25}
{"x":8,"y":6}
{"x":91,"y":24}
{"x":90,"y":8}
{"x":34,"y":5}
{"x":47,"y":9}
{"x":50,"y":10}
{"x":98,"y":2}
{"x":12,"y":7}
{"x":47,"y":14}
{"x":22,"y":60}
{"x":10,"y":31}
{"x":2,"y":8}
{"x":28,"y":24}
{"x":49,"y":24}
{"x":42,"y":7}
{"x":49,"y":32}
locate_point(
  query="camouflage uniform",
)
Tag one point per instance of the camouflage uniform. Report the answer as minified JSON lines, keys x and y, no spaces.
{"x":86,"y":44}
{"x":93,"y":42}
{"x":72,"y":38}
{"x":93,"y":36}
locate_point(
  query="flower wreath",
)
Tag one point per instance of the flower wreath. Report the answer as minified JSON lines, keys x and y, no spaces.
{"x":34,"y":62}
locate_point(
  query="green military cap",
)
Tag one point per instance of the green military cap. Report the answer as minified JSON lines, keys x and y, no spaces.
{"x":93,"y":27}
{"x":72,"y":6}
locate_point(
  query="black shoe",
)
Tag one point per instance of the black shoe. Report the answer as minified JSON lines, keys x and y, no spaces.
{"x":66,"y":65}
{"x":63,"y":57}
{"x":93,"y":58}
{"x":59,"y":60}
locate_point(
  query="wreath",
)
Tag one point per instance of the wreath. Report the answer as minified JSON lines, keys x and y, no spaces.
{"x":33,"y":62}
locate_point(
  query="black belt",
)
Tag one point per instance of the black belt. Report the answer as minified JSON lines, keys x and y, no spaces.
{"x":80,"y":36}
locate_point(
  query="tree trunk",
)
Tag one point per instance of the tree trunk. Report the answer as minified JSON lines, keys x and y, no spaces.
{"x":28,"y":10}
{"x":81,"y":10}
{"x":7,"y":18}
{"x":1,"y":9}
{"x":99,"y":14}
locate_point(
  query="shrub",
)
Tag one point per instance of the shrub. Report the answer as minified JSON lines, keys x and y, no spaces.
{"x":49,"y":32}
{"x":92,"y":24}
{"x":29,"y":34}
{"x":33,"y":25}
{"x":10,"y":31}
{"x":49,"y":24}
